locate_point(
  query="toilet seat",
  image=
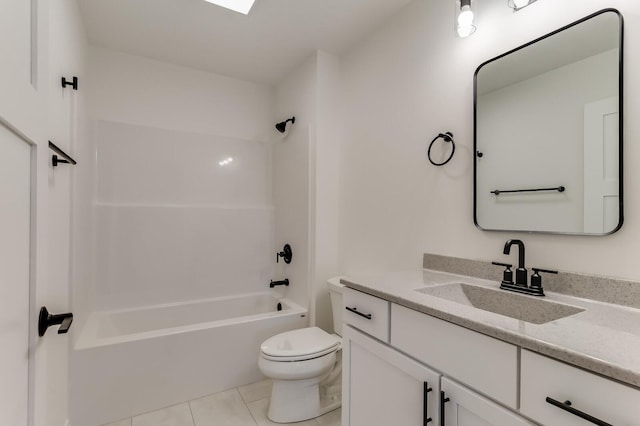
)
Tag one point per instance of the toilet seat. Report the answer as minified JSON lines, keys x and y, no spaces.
{"x":299,"y":345}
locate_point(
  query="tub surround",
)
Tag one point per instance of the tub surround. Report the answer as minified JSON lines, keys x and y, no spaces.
{"x":604,"y":338}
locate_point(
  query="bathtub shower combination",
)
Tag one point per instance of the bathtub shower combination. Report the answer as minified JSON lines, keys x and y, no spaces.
{"x":132,"y":361}
{"x":179,"y":302}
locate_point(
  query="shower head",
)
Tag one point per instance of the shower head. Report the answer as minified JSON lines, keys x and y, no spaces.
{"x":281,"y":127}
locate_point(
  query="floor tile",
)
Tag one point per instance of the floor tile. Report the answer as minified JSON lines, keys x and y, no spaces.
{"x":259,"y":411}
{"x":221,"y":409}
{"x":125,"y":422}
{"x":332,"y":418}
{"x":256,"y":391}
{"x":177,"y":415}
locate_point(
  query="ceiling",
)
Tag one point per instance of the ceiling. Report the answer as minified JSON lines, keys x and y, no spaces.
{"x":262,"y":47}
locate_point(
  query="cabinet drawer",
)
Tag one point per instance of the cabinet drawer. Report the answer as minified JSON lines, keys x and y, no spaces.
{"x":485,"y":364}
{"x":606,"y":400}
{"x":367,"y":313}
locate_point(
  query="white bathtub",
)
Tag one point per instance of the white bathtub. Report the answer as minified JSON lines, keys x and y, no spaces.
{"x":128,"y":362}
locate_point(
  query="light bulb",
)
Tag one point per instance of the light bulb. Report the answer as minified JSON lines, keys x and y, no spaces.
{"x":466,"y":16}
{"x":466,"y":30}
{"x":464,"y":23}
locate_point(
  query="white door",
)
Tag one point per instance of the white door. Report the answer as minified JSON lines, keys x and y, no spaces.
{"x":27,"y":84}
{"x":601,"y":172}
{"x":383,"y":387}
{"x":15,"y":261}
{"x":464,"y":407}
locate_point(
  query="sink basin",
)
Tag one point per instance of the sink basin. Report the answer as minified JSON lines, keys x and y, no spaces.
{"x":513,"y":305}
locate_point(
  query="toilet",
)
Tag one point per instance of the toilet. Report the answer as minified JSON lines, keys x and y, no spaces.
{"x":306,"y":367}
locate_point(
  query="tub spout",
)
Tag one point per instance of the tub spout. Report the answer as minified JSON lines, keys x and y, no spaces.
{"x":273,"y":284}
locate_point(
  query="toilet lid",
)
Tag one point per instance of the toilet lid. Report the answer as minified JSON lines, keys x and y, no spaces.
{"x":302,"y":343}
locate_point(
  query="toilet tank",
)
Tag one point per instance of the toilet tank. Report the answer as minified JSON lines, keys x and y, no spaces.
{"x":335,"y":292}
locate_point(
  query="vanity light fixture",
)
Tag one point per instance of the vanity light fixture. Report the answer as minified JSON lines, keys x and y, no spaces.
{"x":241,"y":6}
{"x":465,"y":25}
{"x":519,"y":4}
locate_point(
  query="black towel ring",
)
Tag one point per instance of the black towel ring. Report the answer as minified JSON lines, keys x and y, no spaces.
{"x":447,"y":137}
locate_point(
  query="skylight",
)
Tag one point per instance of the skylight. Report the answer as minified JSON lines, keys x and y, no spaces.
{"x":242,"y":6}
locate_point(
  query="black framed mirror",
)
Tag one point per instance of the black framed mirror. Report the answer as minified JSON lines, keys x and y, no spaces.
{"x":548,"y":132}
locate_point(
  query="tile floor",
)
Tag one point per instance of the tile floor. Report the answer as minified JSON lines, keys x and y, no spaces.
{"x":242,"y":406}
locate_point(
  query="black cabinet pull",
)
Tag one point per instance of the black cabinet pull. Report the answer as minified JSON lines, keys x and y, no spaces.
{"x":443,"y":400}
{"x":355,"y":311}
{"x":425,"y":413}
{"x":566,"y":406}
{"x":46,"y":320}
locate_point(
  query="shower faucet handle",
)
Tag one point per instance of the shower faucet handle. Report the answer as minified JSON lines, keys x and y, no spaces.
{"x":286,"y":254}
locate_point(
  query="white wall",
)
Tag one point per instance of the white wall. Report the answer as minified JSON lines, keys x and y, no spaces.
{"x":306,"y":180}
{"x":292,"y":174}
{"x":327,"y":184}
{"x":135,"y":90}
{"x":412,"y":80}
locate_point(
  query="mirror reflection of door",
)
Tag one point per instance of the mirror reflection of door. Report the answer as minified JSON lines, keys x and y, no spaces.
{"x":601,"y":171}
{"x":544,"y":167}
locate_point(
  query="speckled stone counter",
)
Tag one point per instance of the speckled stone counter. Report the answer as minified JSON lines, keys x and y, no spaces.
{"x":603,"y":338}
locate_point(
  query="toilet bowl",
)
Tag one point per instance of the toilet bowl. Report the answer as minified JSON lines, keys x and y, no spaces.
{"x":306,"y":368}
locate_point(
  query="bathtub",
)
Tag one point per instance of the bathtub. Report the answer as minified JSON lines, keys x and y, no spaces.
{"x":128,"y":362}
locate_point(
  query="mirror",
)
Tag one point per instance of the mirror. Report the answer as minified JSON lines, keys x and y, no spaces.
{"x":548,"y":132}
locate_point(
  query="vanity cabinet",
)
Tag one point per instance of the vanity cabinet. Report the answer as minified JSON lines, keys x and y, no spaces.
{"x":384,"y":386}
{"x":393,"y":354}
{"x":546,"y":382}
{"x":381,"y":386}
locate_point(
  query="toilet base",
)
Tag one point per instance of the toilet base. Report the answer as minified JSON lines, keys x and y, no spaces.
{"x":298,"y":400}
{"x":295,"y":401}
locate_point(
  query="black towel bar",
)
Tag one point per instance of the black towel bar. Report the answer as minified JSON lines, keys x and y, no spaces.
{"x":510,"y":191}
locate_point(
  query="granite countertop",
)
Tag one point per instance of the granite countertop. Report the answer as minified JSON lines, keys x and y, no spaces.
{"x":604,"y":338}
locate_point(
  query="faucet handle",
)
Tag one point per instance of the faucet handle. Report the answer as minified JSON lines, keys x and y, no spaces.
{"x":547,"y":271}
{"x":536,"y":279}
{"x":286,"y":254}
{"x":507,"y":275}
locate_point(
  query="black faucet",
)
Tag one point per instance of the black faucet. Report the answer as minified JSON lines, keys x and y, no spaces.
{"x":521,"y":272}
{"x":520,"y":286}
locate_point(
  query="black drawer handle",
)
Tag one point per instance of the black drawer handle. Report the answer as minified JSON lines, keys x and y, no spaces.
{"x":425,"y":414}
{"x":355,"y":311}
{"x":443,"y":400}
{"x":566,"y":406}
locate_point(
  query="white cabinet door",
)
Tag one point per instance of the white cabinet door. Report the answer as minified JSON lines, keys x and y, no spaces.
{"x":463,"y":407}
{"x":383,"y":387}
